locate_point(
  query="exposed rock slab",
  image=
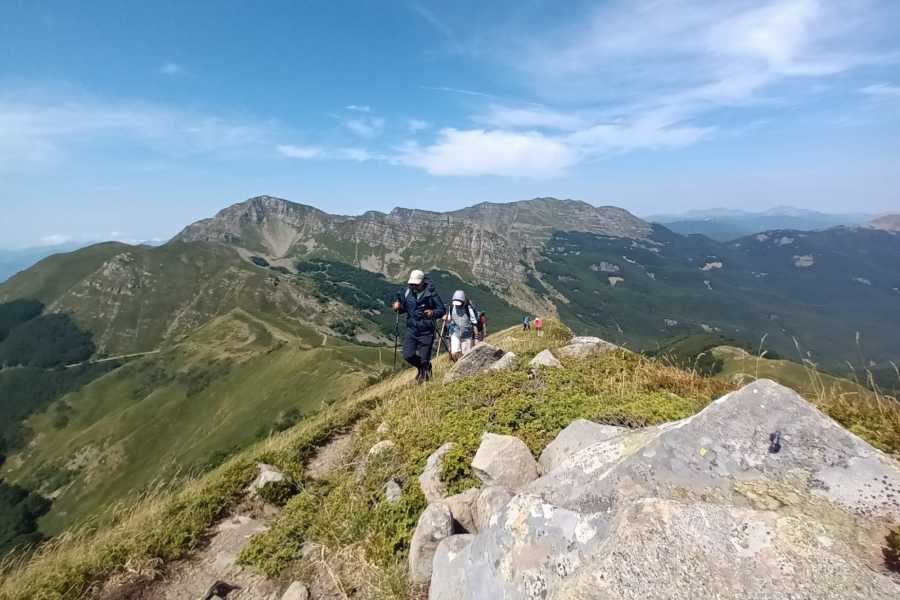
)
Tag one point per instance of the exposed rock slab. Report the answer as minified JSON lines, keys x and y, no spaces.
{"x":479,"y":359}
{"x":489,"y":503}
{"x":507,"y":361}
{"x":706,"y":507}
{"x":504,"y":460}
{"x":578,"y":435}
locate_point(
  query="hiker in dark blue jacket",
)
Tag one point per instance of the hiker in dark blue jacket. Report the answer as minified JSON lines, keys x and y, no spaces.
{"x":422,"y":305}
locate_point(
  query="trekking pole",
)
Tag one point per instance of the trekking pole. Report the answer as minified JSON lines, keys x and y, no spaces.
{"x":396,"y":336}
{"x":438,"y":355}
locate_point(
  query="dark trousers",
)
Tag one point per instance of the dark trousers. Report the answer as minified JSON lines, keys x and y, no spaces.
{"x":417,"y":349}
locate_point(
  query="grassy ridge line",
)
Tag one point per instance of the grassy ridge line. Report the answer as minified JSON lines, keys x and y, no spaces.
{"x":166,"y":525}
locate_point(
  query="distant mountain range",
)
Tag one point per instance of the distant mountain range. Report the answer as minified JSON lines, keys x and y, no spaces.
{"x":724,"y":224}
{"x":13,"y":261}
{"x":272,"y":306}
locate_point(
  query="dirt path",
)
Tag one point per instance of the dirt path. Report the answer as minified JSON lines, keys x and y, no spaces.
{"x":94,"y":361}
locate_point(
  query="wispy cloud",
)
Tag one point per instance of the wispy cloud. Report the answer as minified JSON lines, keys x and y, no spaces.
{"x":366,"y":127}
{"x":417,"y":125}
{"x":359,"y":108}
{"x":171,"y":69}
{"x":881,"y":90}
{"x":453,"y":90}
{"x":54,"y":239}
{"x":292,"y":151}
{"x":432,"y":19}
{"x":37,"y":132}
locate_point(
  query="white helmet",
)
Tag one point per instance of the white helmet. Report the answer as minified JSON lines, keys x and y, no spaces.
{"x":416,"y":277}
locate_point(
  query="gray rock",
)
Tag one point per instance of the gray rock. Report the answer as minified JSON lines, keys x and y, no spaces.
{"x":296,"y":591}
{"x":435,"y":524}
{"x":447,"y":572}
{"x":479,"y":359}
{"x":392,"y":491}
{"x":267,"y":475}
{"x":504,"y":460}
{"x":381,"y":448}
{"x":462,"y":507}
{"x":430,"y":480}
{"x":578,"y":435}
{"x":701,"y":508}
{"x":584,"y":346}
{"x":507,"y":361}
{"x":545,"y":358}
{"x":489,"y":503}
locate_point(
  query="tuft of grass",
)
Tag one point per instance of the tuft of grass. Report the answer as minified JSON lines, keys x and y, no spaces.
{"x":891,"y":550}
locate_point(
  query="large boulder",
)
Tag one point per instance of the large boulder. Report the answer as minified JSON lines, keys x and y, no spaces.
{"x":489,"y":503}
{"x":507,"y":361}
{"x":462,"y":507}
{"x":584,"y":346}
{"x":479,"y":359}
{"x":435,"y":524}
{"x":430,"y":481}
{"x":504,"y":460}
{"x":544,"y":358}
{"x":758,"y":496}
{"x":578,"y":435}
{"x":446,"y":570}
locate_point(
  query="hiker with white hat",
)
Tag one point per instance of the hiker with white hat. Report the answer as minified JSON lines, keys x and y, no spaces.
{"x":462,"y":320}
{"x":422,"y":305}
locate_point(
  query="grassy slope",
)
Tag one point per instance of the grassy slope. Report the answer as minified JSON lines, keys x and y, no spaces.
{"x":365,"y":539}
{"x":186,"y":408}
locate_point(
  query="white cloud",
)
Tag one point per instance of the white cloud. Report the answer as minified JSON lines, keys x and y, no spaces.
{"x":881,"y":90}
{"x":452,"y":90}
{"x":55,"y":239}
{"x":37,"y":132}
{"x":293,"y":151}
{"x":355,"y":154}
{"x":171,"y":69}
{"x":359,"y":108}
{"x":417,"y":125}
{"x":505,"y":117}
{"x":368,"y":127}
{"x":482,"y":152}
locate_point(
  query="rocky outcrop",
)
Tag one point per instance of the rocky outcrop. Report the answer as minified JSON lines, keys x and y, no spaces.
{"x":544,"y":358}
{"x":758,"y":496}
{"x":433,"y":488}
{"x":435,"y":524}
{"x":577,"y":436}
{"x":583,"y":346}
{"x":479,"y":359}
{"x":505,"y":461}
{"x":462,"y":507}
{"x":490,"y":501}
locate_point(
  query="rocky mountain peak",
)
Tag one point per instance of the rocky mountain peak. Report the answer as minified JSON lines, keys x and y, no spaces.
{"x":885,"y":223}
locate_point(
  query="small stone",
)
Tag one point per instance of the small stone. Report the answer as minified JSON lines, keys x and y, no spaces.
{"x":392,"y":491}
{"x":383,"y":428}
{"x":479,"y":359}
{"x":296,"y":591}
{"x":380,"y":448}
{"x":584,"y":346}
{"x":268,"y":474}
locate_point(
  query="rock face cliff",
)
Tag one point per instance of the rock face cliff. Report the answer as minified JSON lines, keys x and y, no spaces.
{"x":495,"y":244}
{"x":757,"y":496}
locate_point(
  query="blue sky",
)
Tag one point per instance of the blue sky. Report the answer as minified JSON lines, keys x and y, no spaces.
{"x":129,"y":120}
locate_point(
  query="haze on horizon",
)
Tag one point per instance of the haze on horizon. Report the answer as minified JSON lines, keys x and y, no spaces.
{"x":131,"y":120}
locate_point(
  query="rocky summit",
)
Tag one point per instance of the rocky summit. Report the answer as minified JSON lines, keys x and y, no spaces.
{"x":758,"y":496}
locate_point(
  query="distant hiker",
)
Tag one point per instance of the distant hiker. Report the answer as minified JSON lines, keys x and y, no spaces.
{"x":481,"y":328}
{"x":538,"y":326}
{"x":462,"y":319}
{"x":422,"y":305}
{"x":526,"y":323}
